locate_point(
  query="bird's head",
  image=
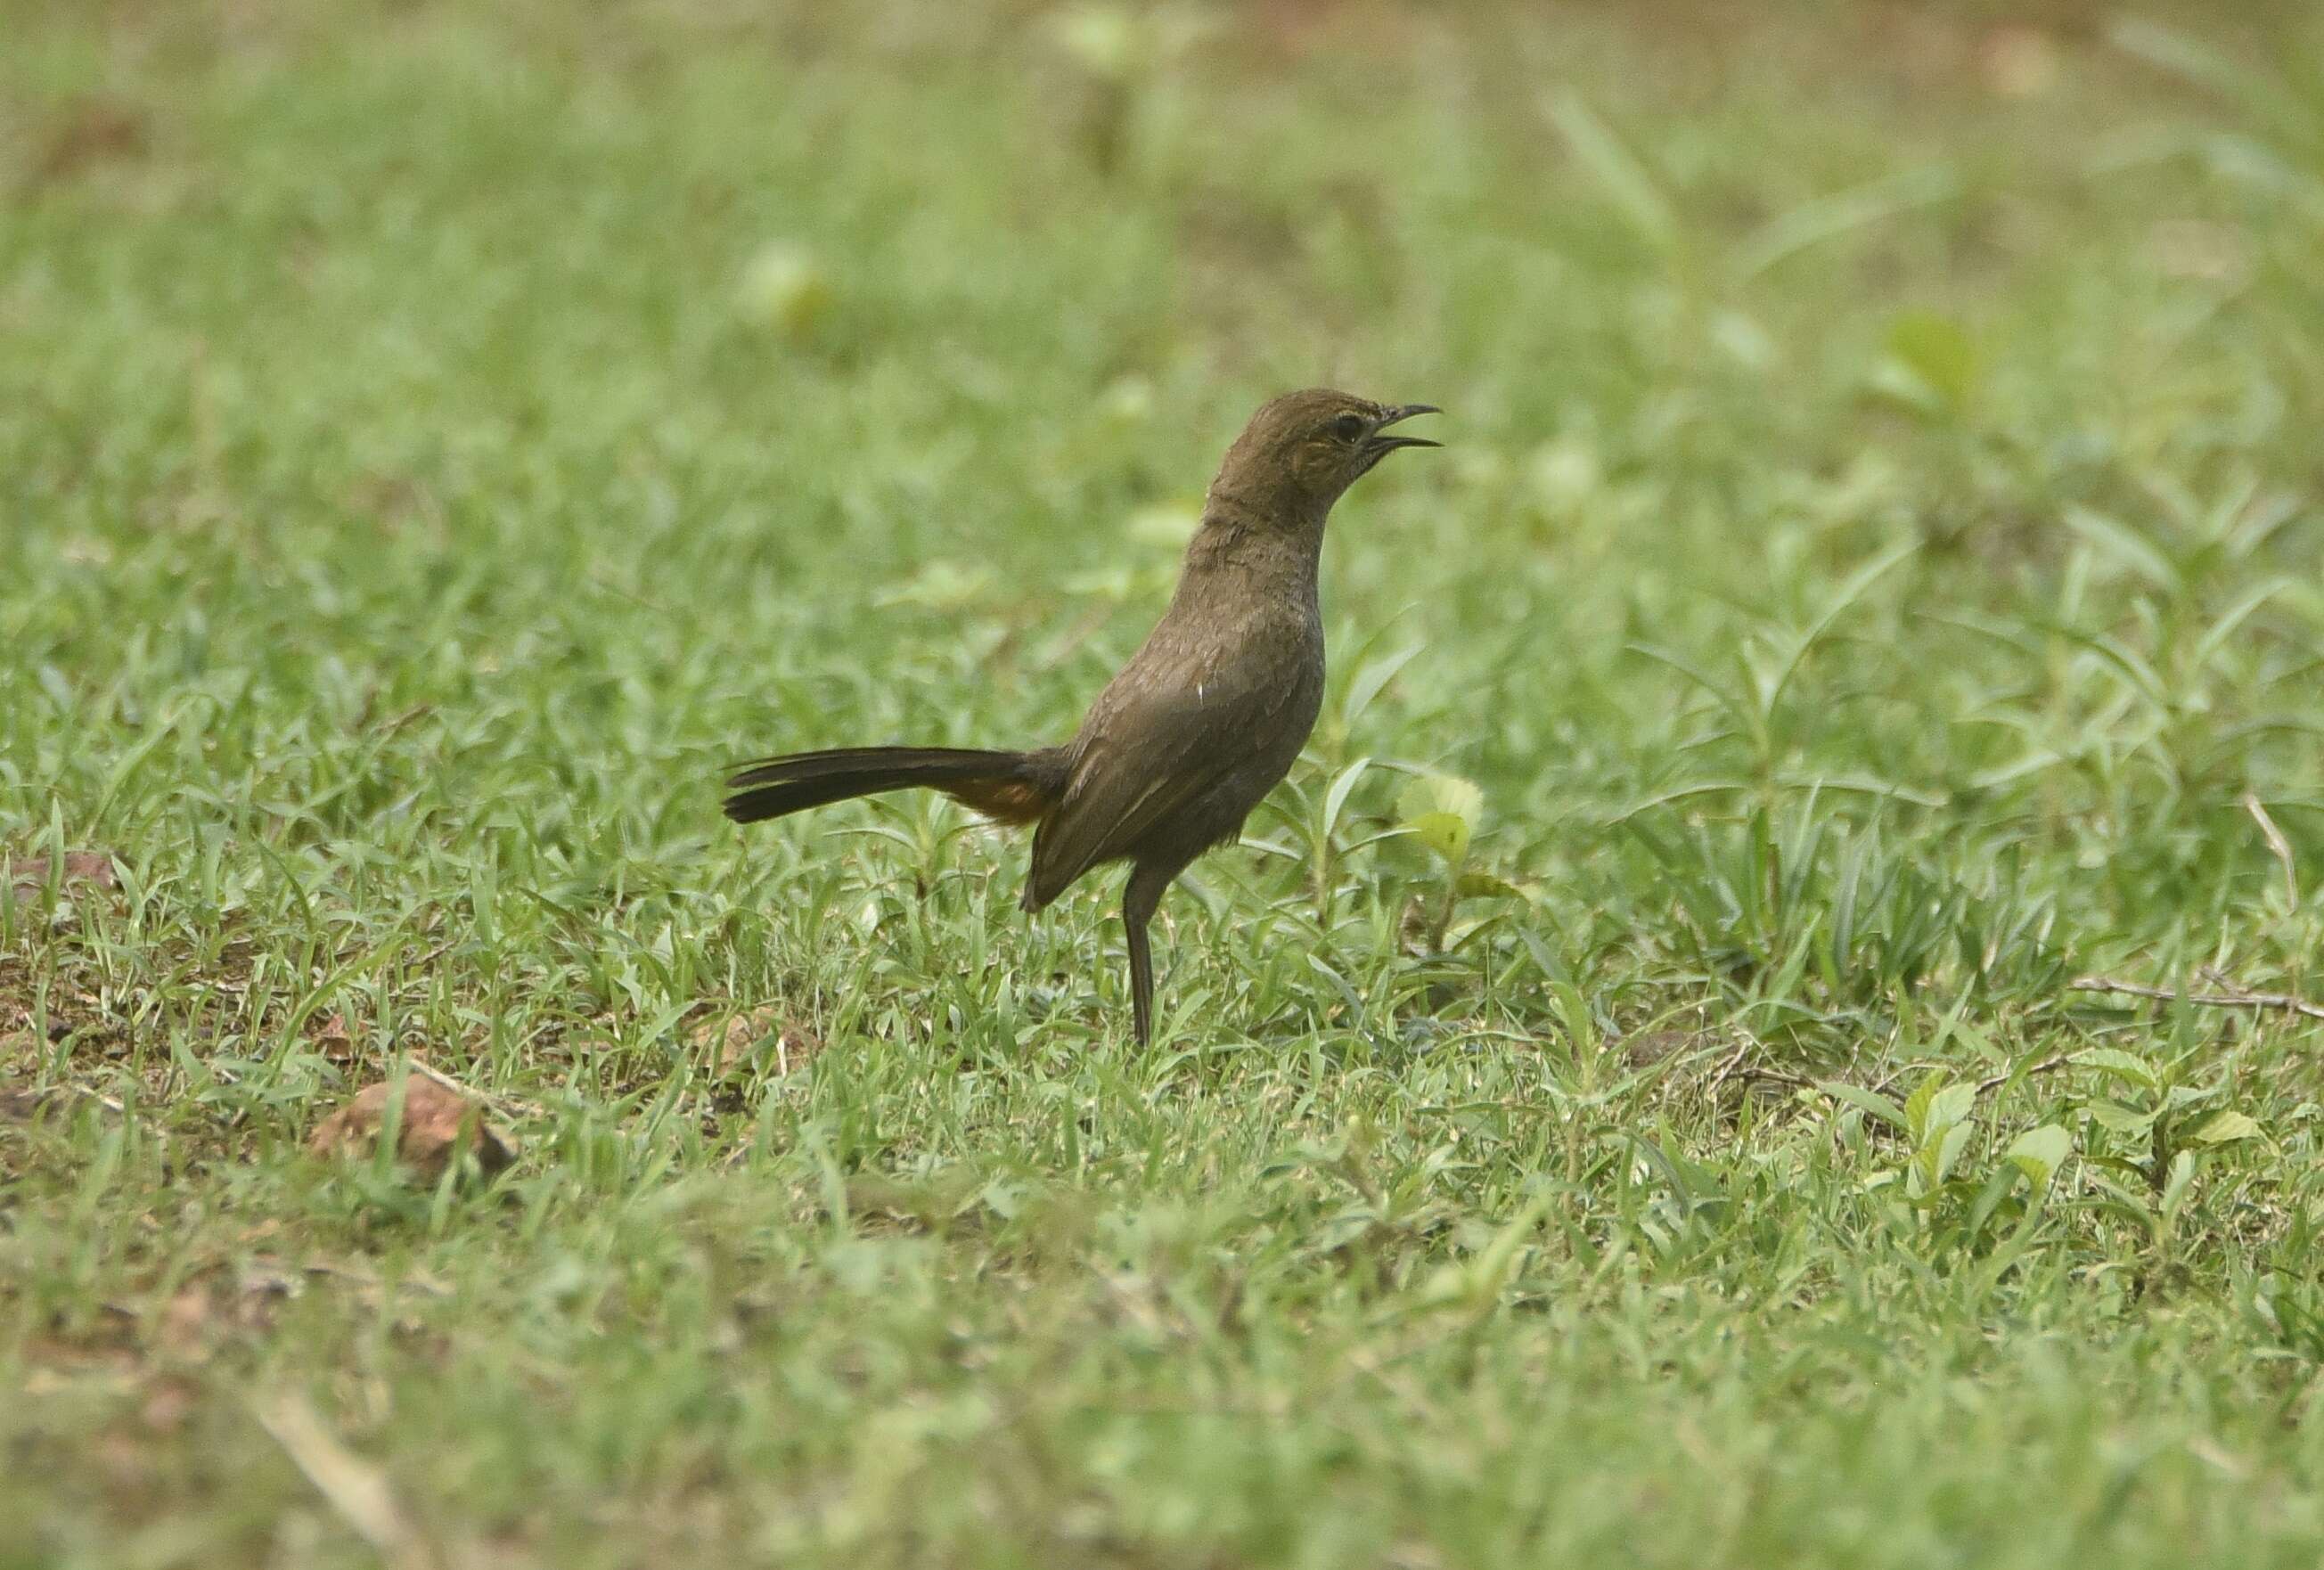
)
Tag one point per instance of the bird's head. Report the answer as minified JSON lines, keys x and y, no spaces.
{"x":1301,"y":450}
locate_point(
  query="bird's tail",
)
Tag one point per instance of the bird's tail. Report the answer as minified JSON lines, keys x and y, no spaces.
{"x":1013,"y":787}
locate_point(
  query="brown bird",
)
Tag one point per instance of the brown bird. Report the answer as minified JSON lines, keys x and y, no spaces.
{"x":1204,"y":720}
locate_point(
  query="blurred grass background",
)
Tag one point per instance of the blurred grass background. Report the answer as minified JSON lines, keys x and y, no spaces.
{"x":1872,"y":581}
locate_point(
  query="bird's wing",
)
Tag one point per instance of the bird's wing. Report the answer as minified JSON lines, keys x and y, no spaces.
{"x":1140,"y":760}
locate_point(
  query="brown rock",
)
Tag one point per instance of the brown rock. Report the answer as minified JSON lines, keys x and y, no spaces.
{"x":437,"y":1123}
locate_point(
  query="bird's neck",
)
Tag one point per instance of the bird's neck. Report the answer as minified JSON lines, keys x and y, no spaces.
{"x":1277,"y":546}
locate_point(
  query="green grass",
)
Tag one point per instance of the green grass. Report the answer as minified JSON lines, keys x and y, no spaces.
{"x":1874,"y":581}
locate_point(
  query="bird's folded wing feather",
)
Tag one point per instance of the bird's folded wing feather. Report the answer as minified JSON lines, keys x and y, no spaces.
{"x":1118,"y":794}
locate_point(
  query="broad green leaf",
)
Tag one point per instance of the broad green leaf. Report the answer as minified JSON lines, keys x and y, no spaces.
{"x":1952,"y":1105}
{"x":2039,"y":1152}
{"x":1934,"y":1161}
{"x":2121,"y":1119}
{"x":1918,"y":1104}
{"x":1442,"y":793}
{"x":1443,"y":810}
{"x":2121,"y":1065}
{"x":1442,"y":832}
{"x":2225,"y":1128}
{"x":1476,"y":885}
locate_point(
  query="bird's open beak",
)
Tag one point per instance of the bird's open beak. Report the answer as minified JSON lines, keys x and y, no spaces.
{"x":1378,"y":446}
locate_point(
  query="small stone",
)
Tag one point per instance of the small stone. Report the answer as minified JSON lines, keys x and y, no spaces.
{"x":437,"y":1123}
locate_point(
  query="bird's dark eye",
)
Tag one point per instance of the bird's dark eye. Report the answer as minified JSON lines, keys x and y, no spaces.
{"x":1348,"y":427}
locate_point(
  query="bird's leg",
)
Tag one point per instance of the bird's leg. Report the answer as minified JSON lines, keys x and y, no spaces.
{"x":1138,"y":903}
{"x":1142,"y":983}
